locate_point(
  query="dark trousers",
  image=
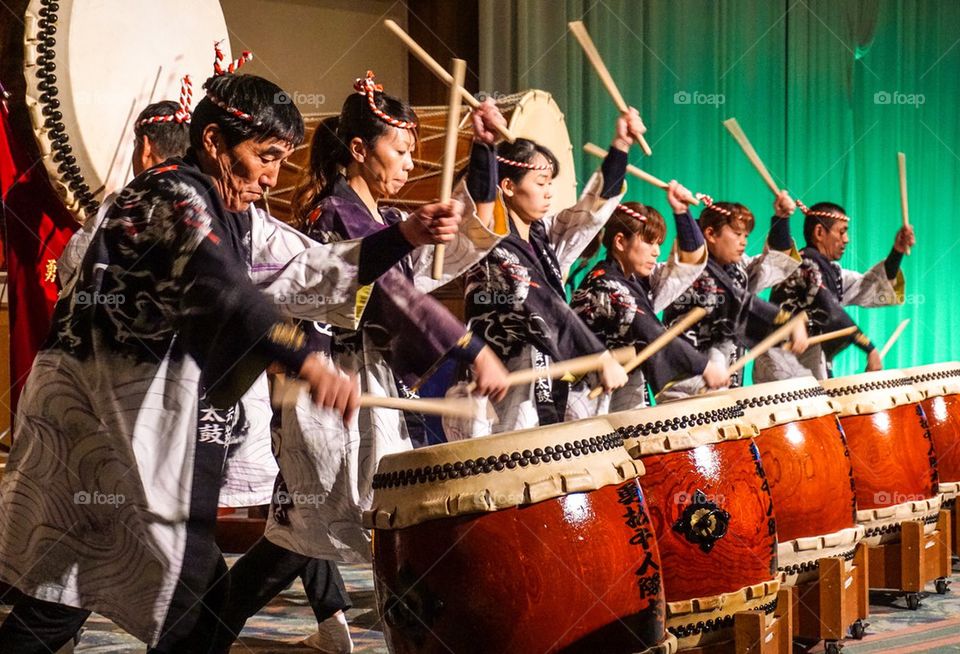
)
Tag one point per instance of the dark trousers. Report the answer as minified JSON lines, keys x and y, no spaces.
{"x":265,"y":571}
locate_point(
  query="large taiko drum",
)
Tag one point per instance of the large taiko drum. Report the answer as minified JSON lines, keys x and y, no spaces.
{"x":711,"y":510}
{"x":531,"y":114}
{"x":940,"y":386}
{"x":530,"y":541}
{"x":809,"y":472}
{"x":891,"y":451}
{"x":91,"y":67}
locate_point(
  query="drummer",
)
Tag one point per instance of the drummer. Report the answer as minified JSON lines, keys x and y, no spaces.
{"x":108,"y":448}
{"x":620,"y":297}
{"x":515,"y":298}
{"x":736,"y":317}
{"x":826,"y":231}
{"x":161,"y":132}
{"x":358,"y":161}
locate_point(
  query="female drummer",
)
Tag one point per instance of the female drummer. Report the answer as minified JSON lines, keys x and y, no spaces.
{"x":736,"y":317}
{"x":515,"y":298}
{"x":620,"y":297}
{"x":357,"y":160}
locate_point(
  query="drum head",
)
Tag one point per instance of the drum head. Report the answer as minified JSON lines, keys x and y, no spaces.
{"x":91,"y":67}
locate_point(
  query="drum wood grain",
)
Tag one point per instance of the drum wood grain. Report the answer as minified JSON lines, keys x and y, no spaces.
{"x":943,"y":416}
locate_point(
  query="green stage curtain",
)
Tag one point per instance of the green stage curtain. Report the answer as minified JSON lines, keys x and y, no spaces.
{"x":828,"y":92}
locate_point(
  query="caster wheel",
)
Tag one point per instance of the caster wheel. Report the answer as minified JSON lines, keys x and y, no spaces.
{"x":942,"y":585}
{"x":913,"y":601}
{"x":858,"y":629}
{"x":833,"y":647}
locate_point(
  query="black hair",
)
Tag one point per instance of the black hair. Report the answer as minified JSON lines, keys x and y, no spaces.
{"x":275,"y":116}
{"x":330,"y":145}
{"x":810,"y":222}
{"x":168,"y":138}
{"x":523,"y":151}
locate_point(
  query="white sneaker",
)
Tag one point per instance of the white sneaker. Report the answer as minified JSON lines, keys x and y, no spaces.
{"x":332,"y":637}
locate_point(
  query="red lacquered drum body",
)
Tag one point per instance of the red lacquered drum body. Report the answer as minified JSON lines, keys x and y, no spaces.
{"x":711,"y":510}
{"x":808,"y":470}
{"x":531,"y":541}
{"x":940,"y":386}
{"x":891,"y":450}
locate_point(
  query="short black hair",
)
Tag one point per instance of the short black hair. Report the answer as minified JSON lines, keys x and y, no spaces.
{"x":275,"y":116}
{"x":168,"y":138}
{"x":810,"y":222}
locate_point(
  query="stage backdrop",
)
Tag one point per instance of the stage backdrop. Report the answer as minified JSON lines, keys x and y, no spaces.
{"x":828,"y":92}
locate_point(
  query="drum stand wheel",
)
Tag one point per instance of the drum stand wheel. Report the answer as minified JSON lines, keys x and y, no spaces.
{"x":832,"y":647}
{"x":917,"y":559}
{"x":942,"y":585}
{"x":859,"y":629}
{"x":836,"y":601}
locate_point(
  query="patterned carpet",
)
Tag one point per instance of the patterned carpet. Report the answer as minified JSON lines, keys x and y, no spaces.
{"x":893,"y":629}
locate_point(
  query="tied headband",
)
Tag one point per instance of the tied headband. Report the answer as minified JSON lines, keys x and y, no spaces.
{"x":708,"y":202}
{"x":219,"y":70}
{"x":832,"y":215}
{"x":182,"y":114}
{"x":520,"y":164}
{"x":631,"y":212}
{"x":366,"y":86}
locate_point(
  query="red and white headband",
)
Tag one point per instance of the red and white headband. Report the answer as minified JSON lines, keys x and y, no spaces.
{"x":182,"y":114}
{"x":632,"y":212}
{"x":528,"y":166}
{"x":709,"y":203}
{"x":219,"y":70}
{"x":831,"y":215}
{"x":366,"y":86}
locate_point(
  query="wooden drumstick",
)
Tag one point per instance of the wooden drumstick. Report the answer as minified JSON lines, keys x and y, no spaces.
{"x":829,"y":336}
{"x":774,"y":339}
{"x":893,"y":337}
{"x":589,"y":49}
{"x":450,"y":152}
{"x":734,"y":128}
{"x":286,"y":393}
{"x":657,"y":344}
{"x":597,"y":151}
{"x":557,"y":369}
{"x":440,"y":72}
{"x":902,"y":166}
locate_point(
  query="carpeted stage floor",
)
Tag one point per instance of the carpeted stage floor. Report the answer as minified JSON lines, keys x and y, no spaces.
{"x":893,"y":629}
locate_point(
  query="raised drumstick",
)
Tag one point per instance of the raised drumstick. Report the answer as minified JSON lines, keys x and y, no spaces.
{"x":597,"y":151}
{"x":902,"y":166}
{"x":589,"y":49}
{"x":450,"y":152}
{"x":893,"y":337}
{"x":829,"y":336}
{"x":439,"y":71}
{"x":657,"y":344}
{"x":734,"y":128}
{"x":774,"y":339}
{"x":576,"y":366}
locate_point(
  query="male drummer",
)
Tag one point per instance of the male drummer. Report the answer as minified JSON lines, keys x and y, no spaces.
{"x":822,"y":288}
{"x":109,"y":499}
{"x":161,"y":132}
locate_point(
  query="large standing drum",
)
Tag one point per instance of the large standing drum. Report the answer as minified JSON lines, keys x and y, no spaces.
{"x":940,"y":386}
{"x":891,"y":450}
{"x":809,"y":472}
{"x":711,"y":510}
{"x":88,"y":76}
{"x":530,"y":541}
{"x":531,"y":114}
